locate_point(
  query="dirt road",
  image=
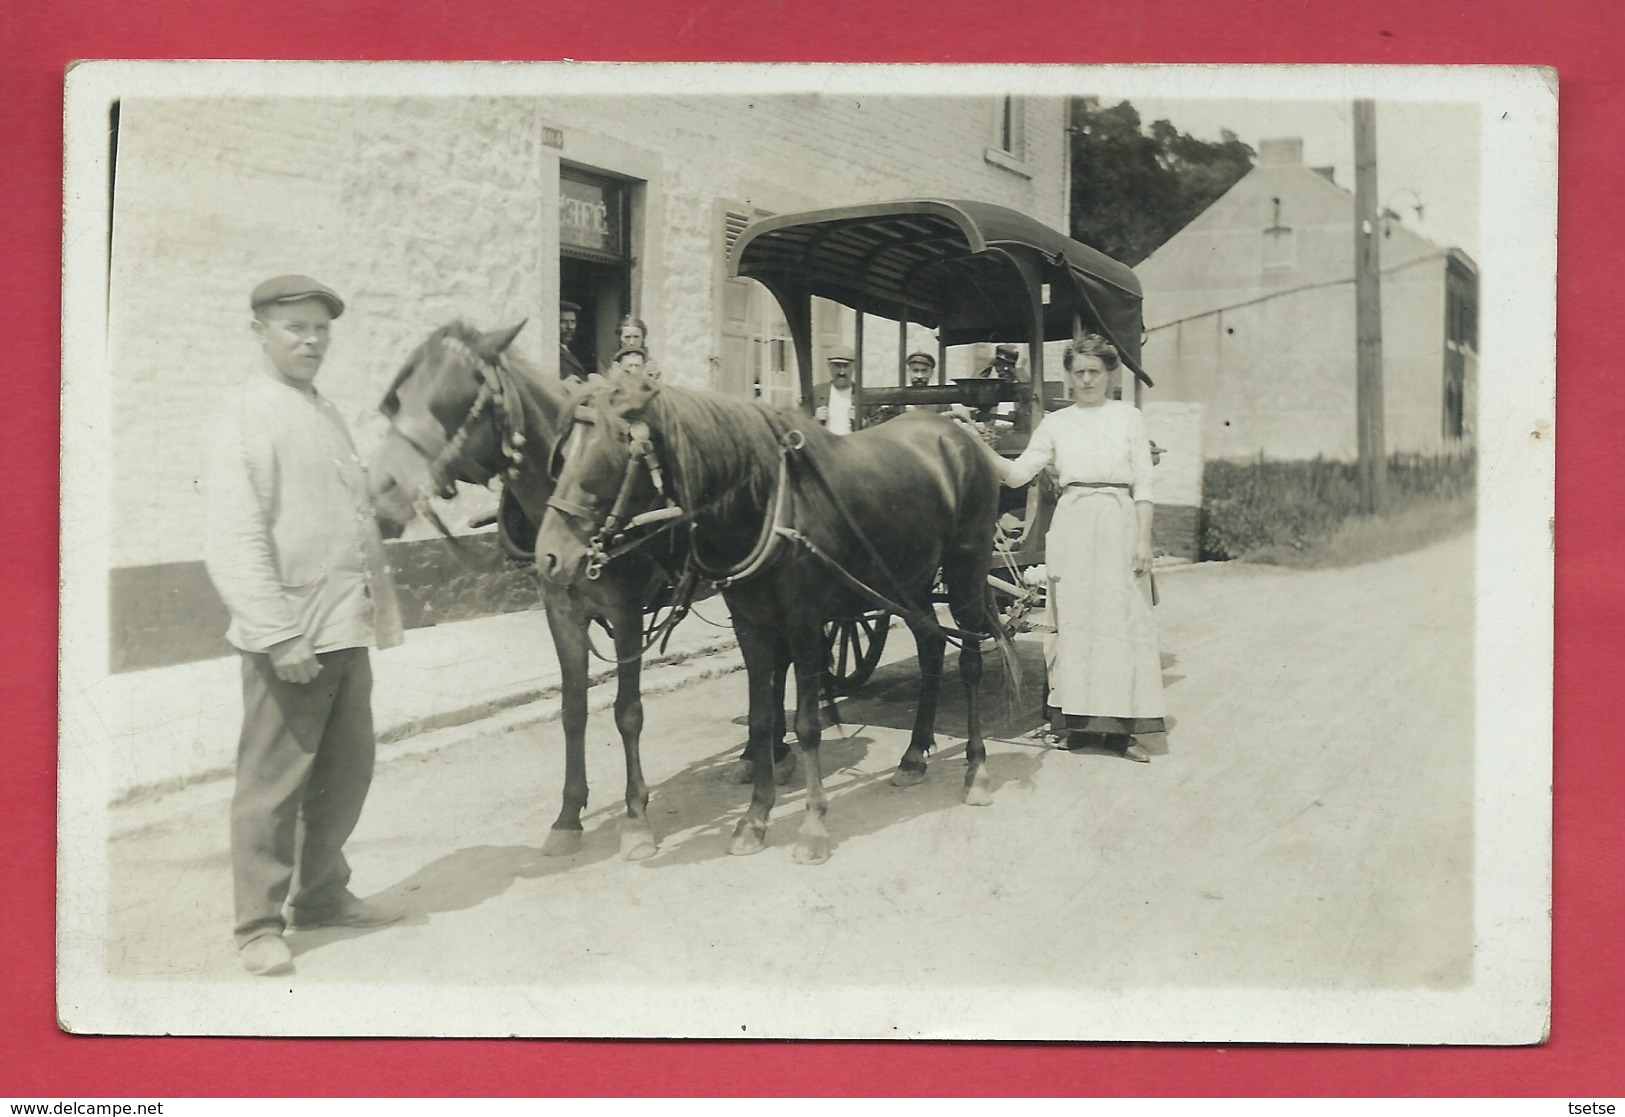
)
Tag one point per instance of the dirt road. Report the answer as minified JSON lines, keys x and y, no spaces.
{"x":1306,"y":824}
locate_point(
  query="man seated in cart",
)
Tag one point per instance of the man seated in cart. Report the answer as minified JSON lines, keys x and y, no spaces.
{"x":921,"y":368}
{"x":832,"y":400}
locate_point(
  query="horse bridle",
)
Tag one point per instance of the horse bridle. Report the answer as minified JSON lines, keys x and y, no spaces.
{"x":608,"y":541}
{"x":498,"y":395}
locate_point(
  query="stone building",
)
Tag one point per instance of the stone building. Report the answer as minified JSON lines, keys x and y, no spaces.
{"x":423,"y":209}
{"x":1250,"y":311}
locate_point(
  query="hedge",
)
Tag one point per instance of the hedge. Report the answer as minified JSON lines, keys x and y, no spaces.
{"x":1247,"y":506}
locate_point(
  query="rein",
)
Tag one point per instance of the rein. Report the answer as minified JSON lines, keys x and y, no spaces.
{"x":924,"y":618}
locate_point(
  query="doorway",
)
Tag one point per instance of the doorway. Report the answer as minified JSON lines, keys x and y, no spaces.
{"x":595,"y":260}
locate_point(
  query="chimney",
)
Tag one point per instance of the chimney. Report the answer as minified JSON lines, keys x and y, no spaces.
{"x":1325,"y":173}
{"x":1280,"y":152}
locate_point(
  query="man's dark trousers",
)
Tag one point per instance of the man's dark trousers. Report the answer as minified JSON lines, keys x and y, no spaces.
{"x":304,"y":763}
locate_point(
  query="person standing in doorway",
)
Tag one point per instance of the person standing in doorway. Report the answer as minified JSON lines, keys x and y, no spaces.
{"x":570,"y":366}
{"x":633,"y":334}
{"x":832,"y":400}
{"x":295,"y":553}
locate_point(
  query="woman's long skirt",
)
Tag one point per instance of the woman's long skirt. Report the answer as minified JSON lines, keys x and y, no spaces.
{"x":1105,"y":673}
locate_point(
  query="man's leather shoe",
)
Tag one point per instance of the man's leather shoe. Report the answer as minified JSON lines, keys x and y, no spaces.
{"x":266,"y":955}
{"x":348,"y":911}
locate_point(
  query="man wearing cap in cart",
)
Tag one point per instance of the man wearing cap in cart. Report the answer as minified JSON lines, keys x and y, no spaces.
{"x":922,"y":368}
{"x":832,"y":400}
{"x":292,"y":546}
{"x":1004,"y":364}
{"x":1002,"y":368}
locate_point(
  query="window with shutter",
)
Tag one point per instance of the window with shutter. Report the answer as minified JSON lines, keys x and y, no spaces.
{"x":755,"y":359}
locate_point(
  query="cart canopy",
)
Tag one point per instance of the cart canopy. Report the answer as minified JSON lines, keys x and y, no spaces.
{"x":949,"y":265}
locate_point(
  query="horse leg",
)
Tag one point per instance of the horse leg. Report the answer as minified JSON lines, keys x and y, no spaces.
{"x":757,"y":644}
{"x":784,"y":757}
{"x":637,"y":834}
{"x":930,"y":645}
{"x":743,"y":770}
{"x":807,"y":653}
{"x":969,"y":601}
{"x":567,"y":621}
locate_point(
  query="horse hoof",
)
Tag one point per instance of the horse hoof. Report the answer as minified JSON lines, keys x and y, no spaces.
{"x":812,"y":851}
{"x":908,"y":777}
{"x":748,"y":839}
{"x":638,"y":845}
{"x":784,"y":770}
{"x":561,"y":843}
{"x":739,"y":772}
{"x":978,"y":791}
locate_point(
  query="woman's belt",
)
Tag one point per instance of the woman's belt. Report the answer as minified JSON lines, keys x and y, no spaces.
{"x":1098,"y":485}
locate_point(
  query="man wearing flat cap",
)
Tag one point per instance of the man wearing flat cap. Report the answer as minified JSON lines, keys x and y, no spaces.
{"x":570,"y":366}
{"x":921,"y":367}
{"x":1004,"y":363}
{"x":832,"y":400}
{"x":294,"y":551}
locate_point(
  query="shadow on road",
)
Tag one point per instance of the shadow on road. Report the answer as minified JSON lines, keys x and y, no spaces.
{"x":694,"y":811}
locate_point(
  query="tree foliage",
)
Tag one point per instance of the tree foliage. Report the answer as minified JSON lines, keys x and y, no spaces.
{"x":1132,"y":190}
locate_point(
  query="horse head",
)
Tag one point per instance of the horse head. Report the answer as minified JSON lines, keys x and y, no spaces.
{"x":447,"y":412}
{"x":604,"y":474}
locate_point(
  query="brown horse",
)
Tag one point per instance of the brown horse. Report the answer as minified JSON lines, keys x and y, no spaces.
{"x":465,"y":409}
{"x":797,"y":526}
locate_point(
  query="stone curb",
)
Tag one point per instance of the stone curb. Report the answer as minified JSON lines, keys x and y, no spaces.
{"x":393,"y":739}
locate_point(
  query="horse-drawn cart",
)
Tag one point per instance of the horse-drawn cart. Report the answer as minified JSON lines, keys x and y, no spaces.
{"x":977,"y":274}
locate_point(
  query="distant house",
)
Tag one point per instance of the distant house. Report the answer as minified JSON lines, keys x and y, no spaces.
{"x":1250,"y":312}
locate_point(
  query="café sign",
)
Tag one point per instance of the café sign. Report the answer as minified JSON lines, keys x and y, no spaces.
{"x":590,"y":215}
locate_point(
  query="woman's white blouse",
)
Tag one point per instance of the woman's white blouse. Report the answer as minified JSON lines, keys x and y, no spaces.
{"x":1090,"y":444}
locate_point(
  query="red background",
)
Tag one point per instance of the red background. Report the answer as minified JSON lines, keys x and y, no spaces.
{"x":1581,"y":39}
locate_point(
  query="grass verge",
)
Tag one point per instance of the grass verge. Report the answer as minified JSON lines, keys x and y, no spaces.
{"x":1368,"y":538}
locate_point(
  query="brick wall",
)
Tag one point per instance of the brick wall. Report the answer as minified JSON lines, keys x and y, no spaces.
{"x":419,"y":210}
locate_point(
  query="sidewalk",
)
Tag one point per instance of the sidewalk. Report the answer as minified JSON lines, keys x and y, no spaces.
{"x":173,"y":727}
{"x":168,"y":728}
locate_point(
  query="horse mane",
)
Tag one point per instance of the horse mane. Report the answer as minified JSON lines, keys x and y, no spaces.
{"x":714,"y":443}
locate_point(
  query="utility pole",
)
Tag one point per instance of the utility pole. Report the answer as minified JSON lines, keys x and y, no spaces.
{"x":1373,"y":449}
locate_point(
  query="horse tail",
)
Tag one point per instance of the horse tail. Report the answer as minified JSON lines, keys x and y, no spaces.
{"x":1013,"y":685}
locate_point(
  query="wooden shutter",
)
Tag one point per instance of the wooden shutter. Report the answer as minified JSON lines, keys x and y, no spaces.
{"x":735,"y":374}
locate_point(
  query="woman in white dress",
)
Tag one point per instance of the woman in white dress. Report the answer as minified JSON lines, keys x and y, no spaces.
{"x":1105,"y":673}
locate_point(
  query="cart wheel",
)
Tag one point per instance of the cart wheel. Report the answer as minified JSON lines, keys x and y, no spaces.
{"x":852,"y":649}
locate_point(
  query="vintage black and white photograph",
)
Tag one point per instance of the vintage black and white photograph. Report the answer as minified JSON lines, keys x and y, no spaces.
{"x":1025,"y":553}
